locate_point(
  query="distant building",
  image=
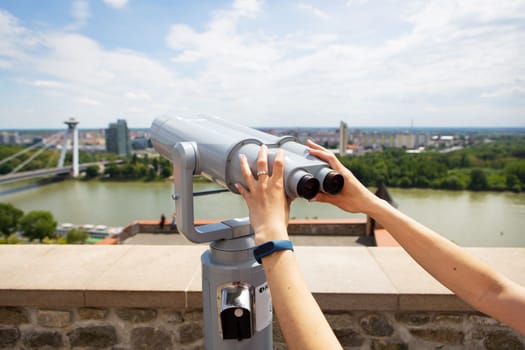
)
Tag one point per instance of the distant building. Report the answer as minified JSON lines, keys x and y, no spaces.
{"x":343,"y":138}
{"x":9,"y":138}
{"x":374,"y":140}
{"x":140,"y":143}
{"x":117,"y":138}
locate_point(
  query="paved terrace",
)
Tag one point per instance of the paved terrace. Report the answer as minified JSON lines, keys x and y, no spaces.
{"x":373,"y":297}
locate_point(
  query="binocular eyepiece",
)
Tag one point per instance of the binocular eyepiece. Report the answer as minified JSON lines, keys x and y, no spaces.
{"x":217,"y":145}
{"x":308,"y":186}
{"x":333,"y":182}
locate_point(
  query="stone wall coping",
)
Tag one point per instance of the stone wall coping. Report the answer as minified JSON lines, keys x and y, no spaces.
{"x":353,"y":278}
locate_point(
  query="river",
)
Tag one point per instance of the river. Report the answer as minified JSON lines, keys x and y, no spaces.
{"x":467,"y":218}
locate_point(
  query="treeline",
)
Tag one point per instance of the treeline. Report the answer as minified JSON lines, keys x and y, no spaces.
{"x":498,"y":165}
{"x":136,"y":167}
{"x":35,"y":225}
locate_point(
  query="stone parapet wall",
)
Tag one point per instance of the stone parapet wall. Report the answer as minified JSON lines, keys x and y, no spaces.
{"x":150,"y":297}
{"x":100,"y":328}
{"x":163,"y":329}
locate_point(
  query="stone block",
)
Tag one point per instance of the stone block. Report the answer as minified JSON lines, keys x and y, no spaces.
{"x":349,"y":337}
{"x":54,"y":318}
{"x":43,"y":339}
{"x":340,"y":320}
{"x":137,"y":315}
{"x":482,"y":320}
{"x":149,"y":338}
{"x":171,"y":316}
{"x":193,"y":347}
{"x":278,"y":336}
{"x":189,"y":332}
{"x":442,"y":336}
{"x":502,"y":340}
{"x":448,"y":318}
{"x":8,"y":336}
{"x":91,"y":313}
{"x":93,"y":336}
{"x":388,"y":345}
{"x":376,"y":325}
{"x":279,"y":346}
{"x":13,"y":316}
{"x":413,"y":318}
{"x":192,"y":315}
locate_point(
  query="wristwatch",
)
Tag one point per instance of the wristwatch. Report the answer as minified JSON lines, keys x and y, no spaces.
{"x":271,"y":247}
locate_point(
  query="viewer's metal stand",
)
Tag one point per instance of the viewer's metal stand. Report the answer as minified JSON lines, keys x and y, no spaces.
{"x":236,"y":299}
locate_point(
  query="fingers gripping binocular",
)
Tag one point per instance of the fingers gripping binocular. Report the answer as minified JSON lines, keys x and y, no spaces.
{"x":236,"y":300}
{"x":217,"y":144}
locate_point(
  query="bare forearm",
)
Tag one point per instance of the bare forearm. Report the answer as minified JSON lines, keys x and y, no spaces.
{"x":302,"y":321}
{"x":468,"y":277}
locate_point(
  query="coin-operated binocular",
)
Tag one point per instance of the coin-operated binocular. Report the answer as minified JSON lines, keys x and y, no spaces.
{"x":236,"y":299}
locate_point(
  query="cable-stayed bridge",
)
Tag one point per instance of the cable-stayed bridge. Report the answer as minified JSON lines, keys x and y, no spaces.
{"x":70,"y":134}
{"x":33,"y":174}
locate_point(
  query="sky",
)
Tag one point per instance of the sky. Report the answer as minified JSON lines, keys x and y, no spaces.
{"x":263,"y":63}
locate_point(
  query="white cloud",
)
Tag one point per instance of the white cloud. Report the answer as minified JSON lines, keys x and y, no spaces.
{"x":247,"y":7}
{"x":505,"y":92}
{"x":450,"y":48}
{"x":80,"y":12}
{"x":5,"y":64}
{"x":15,"y":40}
{"x":351,"y":3}
{"x":87,"y":101}
{"x":314,"y":11}
{"x":118,"y":4}
{"x":47,"y":83}
{"x":138,"y":95}
{"x":445,"y":50}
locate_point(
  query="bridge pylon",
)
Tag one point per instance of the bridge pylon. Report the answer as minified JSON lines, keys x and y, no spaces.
{"x":72,"y":132}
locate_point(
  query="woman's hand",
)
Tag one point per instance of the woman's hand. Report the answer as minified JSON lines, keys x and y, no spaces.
{"x":354,"y":197}
{"x":265,"y":196}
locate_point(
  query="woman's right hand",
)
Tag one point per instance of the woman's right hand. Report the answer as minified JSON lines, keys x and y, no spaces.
{"x":354,"y":197}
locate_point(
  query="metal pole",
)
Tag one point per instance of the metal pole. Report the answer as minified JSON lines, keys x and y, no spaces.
{"x":75,"y":150}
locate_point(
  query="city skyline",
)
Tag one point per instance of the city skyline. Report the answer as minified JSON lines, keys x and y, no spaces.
{"x":263,"y":63}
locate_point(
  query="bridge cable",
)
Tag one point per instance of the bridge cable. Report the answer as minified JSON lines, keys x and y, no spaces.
{"x":36,"y":154}
{"x":27,"y":149}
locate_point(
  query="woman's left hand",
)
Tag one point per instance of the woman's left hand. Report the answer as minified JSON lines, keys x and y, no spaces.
{"x":265,"y":196}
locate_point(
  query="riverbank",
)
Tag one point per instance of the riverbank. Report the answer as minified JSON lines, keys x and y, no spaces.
{"x":468,"y":218}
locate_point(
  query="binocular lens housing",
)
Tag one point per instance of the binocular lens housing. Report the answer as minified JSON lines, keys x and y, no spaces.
{"x":333,"y":182}
{"x":308,"y":187}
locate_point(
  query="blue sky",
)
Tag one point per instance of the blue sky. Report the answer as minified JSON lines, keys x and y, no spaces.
{"x":263,"y":63}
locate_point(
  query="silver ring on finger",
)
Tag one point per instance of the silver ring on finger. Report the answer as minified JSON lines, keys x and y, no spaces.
{"x":262,"y":172}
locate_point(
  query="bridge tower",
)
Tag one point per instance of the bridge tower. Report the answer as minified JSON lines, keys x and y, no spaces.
{"x":72,"y":131}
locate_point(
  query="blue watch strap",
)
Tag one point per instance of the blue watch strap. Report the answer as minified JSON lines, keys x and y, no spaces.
{"x":271,"y":247}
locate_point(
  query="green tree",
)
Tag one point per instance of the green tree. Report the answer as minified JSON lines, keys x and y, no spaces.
{"x":9,"y":217}
{"x":516,"y":169}
{"x":513,"y":183}
{"x":92,"y":171}
{"x":166,"y":168}
{"x":112,"y":171}
{"x":38,"y":224}
{"x":77,"y":236}
{"x":453,"y":182}
{"x":478,"y":180}
{"x":13,"y":239}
